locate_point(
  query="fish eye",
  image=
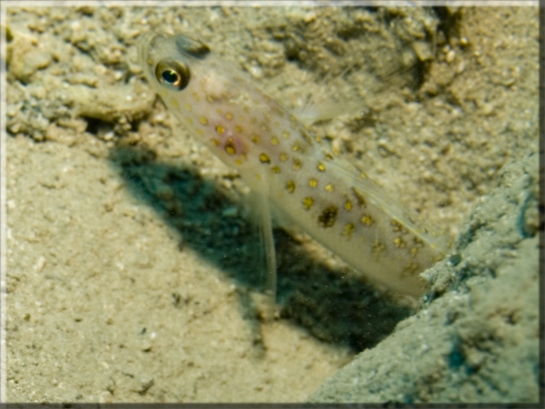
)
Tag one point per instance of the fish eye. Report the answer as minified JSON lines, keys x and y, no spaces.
{"x":172,"y":74}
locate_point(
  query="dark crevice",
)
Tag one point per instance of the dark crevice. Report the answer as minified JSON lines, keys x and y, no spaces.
{"x":449,"y":22}
{"x":97,"y":126}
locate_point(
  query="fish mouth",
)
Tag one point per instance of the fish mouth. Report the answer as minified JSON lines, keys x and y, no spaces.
{"x":144,"y":43}
{"x":149,"y":53}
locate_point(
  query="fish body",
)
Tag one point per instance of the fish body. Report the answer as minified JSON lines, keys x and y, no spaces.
{"x":298,"y":174}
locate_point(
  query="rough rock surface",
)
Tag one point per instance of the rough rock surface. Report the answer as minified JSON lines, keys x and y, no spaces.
{"x":476,"y":337}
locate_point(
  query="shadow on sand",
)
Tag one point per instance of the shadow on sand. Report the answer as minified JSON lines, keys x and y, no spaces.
{"x":333,"y":305}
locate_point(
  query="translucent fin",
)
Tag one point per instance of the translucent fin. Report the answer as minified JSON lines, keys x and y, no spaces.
{"x":325,"y":111}
{"x":260,"y":211}
{"x":265,"y":226}
{"x":264,"y":268}
{"x":320,"y":106}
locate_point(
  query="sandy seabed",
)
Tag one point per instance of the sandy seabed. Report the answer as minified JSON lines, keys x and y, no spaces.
{"x":131,"y":267}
